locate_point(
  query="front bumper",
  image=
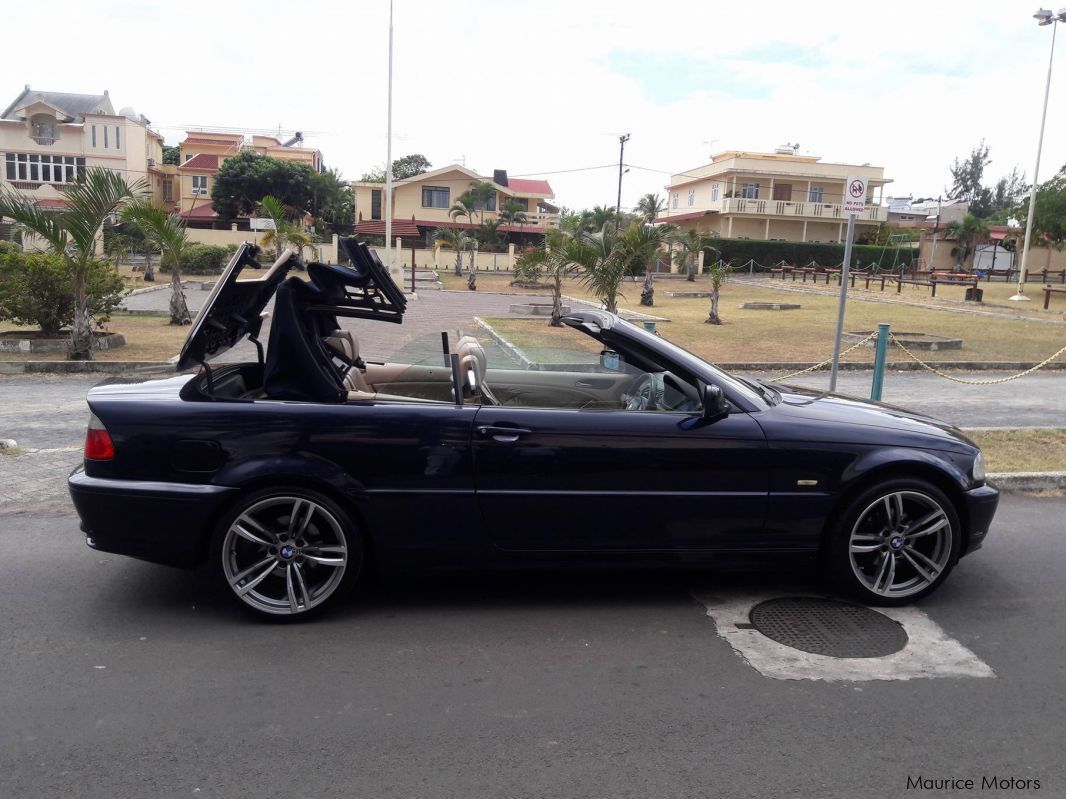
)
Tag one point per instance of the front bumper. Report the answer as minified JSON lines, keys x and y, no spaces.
{"x":981,"y":504}
{"x":167,"y":523}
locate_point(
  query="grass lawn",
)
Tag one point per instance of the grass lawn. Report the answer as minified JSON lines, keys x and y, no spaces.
{"x":1025,"y":450}
{"x":148,"y":338}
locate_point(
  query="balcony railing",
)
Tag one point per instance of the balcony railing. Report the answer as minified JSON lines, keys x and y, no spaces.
{"x":834,"y":211}
{"x":538,"y":219}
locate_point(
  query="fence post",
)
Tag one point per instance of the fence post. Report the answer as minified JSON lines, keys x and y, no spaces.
{"x":880,"y":357}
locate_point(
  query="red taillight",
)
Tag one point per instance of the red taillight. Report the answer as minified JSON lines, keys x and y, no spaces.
{"x":98,"y":446}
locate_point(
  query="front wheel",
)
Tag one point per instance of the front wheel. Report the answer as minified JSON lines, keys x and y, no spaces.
{"x":895,"y":542}
{"x":287,"y":552}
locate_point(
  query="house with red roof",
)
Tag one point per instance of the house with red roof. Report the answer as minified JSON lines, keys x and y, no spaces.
{"x":422,"y":203}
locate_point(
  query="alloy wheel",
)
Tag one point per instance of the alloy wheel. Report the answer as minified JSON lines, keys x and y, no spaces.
{"x":901,"y":544}
{"x":284,"y":555}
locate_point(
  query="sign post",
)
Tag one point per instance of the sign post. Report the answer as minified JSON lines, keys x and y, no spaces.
{"x":854,"y":203}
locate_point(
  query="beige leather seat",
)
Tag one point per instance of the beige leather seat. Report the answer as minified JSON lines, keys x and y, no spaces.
{"x":473,"y":364}
{"x":345,"y":344}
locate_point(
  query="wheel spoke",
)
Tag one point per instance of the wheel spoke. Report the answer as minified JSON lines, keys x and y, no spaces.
{"x":334,"y":562}
{"x":885,"y":574}
{"x":861,"y":549}
{"x":246,"y":527}
{"x":290,"y":589}
{"x":928,"y":524}
{"x":301,"y":586}
{"x":300,"y":517}
{"x":253,"y":568}
{"x":251,"y":584}
{"x":926,"y":568}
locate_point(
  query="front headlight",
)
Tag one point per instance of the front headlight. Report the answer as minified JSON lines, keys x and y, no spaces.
{"x":979,"y":468}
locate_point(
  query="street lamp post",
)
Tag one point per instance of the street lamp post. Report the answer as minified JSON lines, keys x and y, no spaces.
{"x":1043,"y":17}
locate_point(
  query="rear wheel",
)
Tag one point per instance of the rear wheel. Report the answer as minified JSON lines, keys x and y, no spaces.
{"x":287,"y":552}
{"x":896,"y":542}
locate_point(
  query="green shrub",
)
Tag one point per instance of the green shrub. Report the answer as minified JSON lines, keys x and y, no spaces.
{"x":203,"y":259}
{"x":799,"y":253}
{"x":9,"y":246}
{"x":38,"y":289}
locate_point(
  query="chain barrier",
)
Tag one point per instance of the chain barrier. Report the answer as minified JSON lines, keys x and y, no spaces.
{"x":954,"y":379}
{"x":827,"y":361}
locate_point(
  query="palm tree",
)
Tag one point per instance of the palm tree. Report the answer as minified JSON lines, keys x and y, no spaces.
{"x":457,"y":240}
{"x":966,"y":232}
{"x":560,"y":256}
{"x":167,"y":231}
{"x":650,"y":206}
{"x":72,"y":233}
{"x":689,"y":243}
{"x":599,"y":216}
{"x":718,"y":271}
{"x":480,"y":192}
{"x":603,"y":265}
{"x":638,"y":246}
{"x":513,"y":213}
{"x":285,"y":233}
{"x":464,"y":206}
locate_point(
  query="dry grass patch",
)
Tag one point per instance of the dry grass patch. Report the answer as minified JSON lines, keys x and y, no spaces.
{"x":1023,"y":450}
{"x":148,"y":338}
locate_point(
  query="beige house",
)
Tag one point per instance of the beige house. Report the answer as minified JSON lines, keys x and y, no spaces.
{"x":48,"y":138}
{"x":780,"y":195}
{"x":421,"y":204}
{"x":201,"y":155}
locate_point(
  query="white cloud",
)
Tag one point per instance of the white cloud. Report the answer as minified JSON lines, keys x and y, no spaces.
{"x":545,"y":86}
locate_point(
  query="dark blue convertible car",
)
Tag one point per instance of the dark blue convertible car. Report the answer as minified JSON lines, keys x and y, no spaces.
{"x":292,"y":473}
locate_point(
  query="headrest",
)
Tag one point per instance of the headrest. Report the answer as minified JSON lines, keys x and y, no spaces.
{"x":344,"y":343}
{"x":469,"y":349}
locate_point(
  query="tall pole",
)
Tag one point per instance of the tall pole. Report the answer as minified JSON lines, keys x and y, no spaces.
{"x":388,"y":160}
{"x":618,"y":206}
{"x":843,"y":301}
{"x":1020,"y":296}
{"x":936,"y":229}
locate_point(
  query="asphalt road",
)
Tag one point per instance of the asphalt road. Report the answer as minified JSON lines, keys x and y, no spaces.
{"x":124,"y":679}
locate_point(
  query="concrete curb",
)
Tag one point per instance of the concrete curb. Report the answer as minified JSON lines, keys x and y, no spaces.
{"x":81,"y":367}
{"x":163,"y":285}
{"x":499,"y":339}
{"x":1028,"y":481}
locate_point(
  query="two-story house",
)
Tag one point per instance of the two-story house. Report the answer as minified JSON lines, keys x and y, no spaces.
{"x":421,"y":204}
{"x":47,"y":139}
{"x":781,"y":195}
{"x":202,"y":153}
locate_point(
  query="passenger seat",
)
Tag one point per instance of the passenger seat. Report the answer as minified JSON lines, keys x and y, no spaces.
{"x":473,"y":361}
{"x":345,"y":345}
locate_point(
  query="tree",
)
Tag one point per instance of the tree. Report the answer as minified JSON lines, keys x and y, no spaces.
{"x":402,"y":168}
{"x":967,"y":174}
{"x":243,"y":180}
{"x":1049,"y":216}
{"x":489,"y":235}
{"x":480,"y":193}
{"x":167,"y":231}
{"x":638,"y":245}
{"x":598,"y":217}
{"x":285,"y":232}
{"x":650,"y":206}
{"x":718,"y":272}
{"x":984,"y":201}
{"x":457,"y":240}
{"x":91,"y":200}
{"x":463,"y":206}
{"x":559,"y":257}
{"x":332,"y":201}
{"x":602,"y":265}
{"x":513,"y":213}
{"x":689,"y":244}
{"x":171,"y":155}
{"x":967,"y":233}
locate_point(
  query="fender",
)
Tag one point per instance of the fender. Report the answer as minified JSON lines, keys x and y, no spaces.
{"x":945,"y":463}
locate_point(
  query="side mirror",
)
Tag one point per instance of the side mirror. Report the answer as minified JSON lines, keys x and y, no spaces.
{"x":715,"y":405}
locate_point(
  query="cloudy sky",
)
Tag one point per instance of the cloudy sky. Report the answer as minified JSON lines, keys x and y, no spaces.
{"x":544,"y":88}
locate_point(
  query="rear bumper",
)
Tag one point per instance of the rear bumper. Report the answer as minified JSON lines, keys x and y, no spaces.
{"x":981,"y":504}
{"x":165,"y":523}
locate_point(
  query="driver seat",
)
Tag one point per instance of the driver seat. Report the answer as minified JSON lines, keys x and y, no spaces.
{"x":344,"y":345}
{"x":473,"y":364}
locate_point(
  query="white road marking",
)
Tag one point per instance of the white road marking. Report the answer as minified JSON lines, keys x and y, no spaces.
{"x":930,"y":652}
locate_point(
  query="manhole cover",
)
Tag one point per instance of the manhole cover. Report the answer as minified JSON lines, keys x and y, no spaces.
{"x":828,"y":627}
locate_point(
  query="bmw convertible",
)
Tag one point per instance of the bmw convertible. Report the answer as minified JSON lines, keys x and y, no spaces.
{"x":596,"y":444}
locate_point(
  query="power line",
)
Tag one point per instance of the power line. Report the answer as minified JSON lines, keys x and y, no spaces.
{"x":563,"y":171}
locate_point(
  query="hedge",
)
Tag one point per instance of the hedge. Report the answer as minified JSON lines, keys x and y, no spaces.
{"x":204,"y":259}
{"x":798,"y":253}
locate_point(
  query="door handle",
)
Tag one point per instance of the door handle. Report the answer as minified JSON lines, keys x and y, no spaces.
{"x":506,"y":435}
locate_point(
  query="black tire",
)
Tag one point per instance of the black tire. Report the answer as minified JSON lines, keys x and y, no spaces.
{"x":302,"y":584}
{"x":865,"y":575}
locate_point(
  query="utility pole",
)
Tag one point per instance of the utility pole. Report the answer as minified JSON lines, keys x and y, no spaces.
{"x":618,"y":206}
{"x":936,"y":229}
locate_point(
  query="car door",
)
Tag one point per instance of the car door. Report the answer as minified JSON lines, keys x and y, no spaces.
{"x":567,"y":479}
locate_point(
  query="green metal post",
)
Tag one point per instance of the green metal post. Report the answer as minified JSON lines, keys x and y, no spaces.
{"x":880,"y":357}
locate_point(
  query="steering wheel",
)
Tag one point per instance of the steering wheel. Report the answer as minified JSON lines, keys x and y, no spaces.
{"x":645,"y":393}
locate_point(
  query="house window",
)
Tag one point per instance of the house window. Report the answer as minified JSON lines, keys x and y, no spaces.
{"x":168,"y":191}
{"x":118,"y":140}
{"x":435,"y":197}
{"x":189,"y":156}
{"x":105,"y":136}
{"x":783,"y":191}
{"x":43,"y":168}
{"x":94,"y":135}
{"x":817,"y":194}
{"x":676,"y":199}
{"x":521,"y":202}
{"x":199,"y":184}
{"x":375,"y":204}
{"x":488,"y":204}
{"x":44,"y":129}
{"x":749,"y":191}
{"x":691,"y":197}
{"x":715,"y":188}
